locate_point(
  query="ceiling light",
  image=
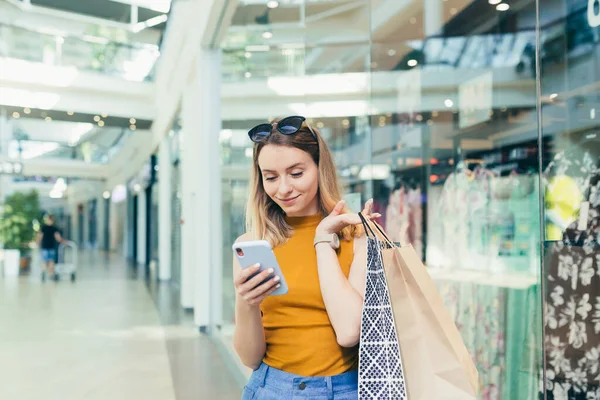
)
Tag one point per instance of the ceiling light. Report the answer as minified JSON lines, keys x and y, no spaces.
{"x":137,"y":187}
{"x":106,"y":194}
{"x":247,"y":74}
{"x":132,"y":121}
{"x":593,"y":113}
{"x":273,"y":4}
{"x":553,"y":96}
{"x":100,"y":124}
{"x":27,"y":110}
{"x":419,"y":117}
{"x":413,"y":63}
{"x":70,"y":112}
{"x":16,"y":115}
{"x":502,"y":7}
{"x":132,"y":127}
{"x":391,"y":52}
{"x":448,"y":103}
{"x":267,"y":35}
{"x":287,"y":52}
{"x":104,"y":115}
{"x":320,"y":125}
{"x":494,"y":2}
{"x":248,"y":54}
{"x":346,"y":123}
{"x":48,"y":119}
{"x":96,"y":118}
{"x":453,"y":11}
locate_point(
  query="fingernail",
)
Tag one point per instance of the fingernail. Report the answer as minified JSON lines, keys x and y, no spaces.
{"x":277,"y":279}
{"x":278,"y":286}
{"x":271,"y":270}
{"x":256,"y":266}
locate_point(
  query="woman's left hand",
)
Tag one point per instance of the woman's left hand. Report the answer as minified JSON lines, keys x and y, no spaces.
{"x":336,"y":221}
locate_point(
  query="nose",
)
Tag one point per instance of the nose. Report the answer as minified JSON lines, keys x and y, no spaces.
{"x":285,"y":188}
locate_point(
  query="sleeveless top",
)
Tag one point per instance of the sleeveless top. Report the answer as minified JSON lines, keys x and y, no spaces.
{"x":300,"y":338}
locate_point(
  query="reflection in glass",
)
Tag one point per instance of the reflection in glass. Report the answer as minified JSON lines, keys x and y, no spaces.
{"x":570,"y":74}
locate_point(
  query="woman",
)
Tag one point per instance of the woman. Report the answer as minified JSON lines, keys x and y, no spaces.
{"x":304,"y":343}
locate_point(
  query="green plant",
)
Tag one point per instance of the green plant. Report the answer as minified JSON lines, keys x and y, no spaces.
{"x":20,"y":210}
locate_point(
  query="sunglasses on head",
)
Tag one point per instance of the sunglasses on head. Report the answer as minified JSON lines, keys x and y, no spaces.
{"x":287,"y":126}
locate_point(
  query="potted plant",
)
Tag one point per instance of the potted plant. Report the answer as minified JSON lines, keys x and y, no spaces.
{"x":20,"y":210}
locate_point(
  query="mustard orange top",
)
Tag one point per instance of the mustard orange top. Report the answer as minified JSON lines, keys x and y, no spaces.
{"x":300,"y":337}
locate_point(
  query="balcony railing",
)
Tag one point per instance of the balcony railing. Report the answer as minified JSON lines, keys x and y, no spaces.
{"x":130,"y":61}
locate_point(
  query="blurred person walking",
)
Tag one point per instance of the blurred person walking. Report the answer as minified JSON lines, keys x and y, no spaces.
{"x":48,"y":238}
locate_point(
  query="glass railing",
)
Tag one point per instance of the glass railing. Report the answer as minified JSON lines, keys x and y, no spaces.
{"x":481,"y":51}
{"x":246,"y":56}
{"x":88,"y":152}
{"x":130,"y":61}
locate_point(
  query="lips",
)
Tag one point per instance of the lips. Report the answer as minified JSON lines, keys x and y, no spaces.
{"x":289,"y":201}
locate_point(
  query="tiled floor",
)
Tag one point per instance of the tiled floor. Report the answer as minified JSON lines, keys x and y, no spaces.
{"x":109,"y":335}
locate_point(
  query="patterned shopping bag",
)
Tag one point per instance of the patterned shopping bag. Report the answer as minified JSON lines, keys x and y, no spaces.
{"x":410,"y":347}
{"x":380,"y":365}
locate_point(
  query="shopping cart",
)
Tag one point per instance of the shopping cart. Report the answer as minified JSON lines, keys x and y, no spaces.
{"x":66,"y":266}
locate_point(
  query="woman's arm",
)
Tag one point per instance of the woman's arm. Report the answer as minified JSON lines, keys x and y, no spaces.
{"x":343,"y":297}
{"x":249,"y":336}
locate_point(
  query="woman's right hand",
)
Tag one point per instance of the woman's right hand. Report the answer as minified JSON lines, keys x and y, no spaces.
{"x":251,"y":291}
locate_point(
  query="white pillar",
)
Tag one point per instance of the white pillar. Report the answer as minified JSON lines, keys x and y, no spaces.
{"x":164,"y":210}
{"x":211,"y":233}
{"x":201,"y":269}
{"x":141,"y":227}
{"x":189,"y":162}
{"x":433,"y":15}
{"x":6,"y":135}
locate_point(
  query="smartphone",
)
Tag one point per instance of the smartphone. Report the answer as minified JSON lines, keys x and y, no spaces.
{"x":260,"y":252}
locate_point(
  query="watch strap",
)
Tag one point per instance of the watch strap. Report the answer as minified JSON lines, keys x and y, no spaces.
{"x":327,"y":238}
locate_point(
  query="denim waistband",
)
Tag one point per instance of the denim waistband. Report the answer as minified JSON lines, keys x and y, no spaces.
{"x":302,"y":385}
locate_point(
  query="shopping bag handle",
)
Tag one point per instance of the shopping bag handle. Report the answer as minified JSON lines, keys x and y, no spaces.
{"x":368,"y":229}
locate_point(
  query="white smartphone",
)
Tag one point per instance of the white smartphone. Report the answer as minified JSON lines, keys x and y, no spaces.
{"x":260,"y":252}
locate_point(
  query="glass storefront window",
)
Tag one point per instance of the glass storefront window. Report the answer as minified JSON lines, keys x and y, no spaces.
{"x":434,"y":110}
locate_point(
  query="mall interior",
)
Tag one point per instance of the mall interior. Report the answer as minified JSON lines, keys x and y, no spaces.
{"x":473,"y":124}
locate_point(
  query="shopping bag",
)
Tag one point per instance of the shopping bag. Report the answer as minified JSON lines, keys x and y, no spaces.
{"x":380,"y":372}
{"x":435,"y":363}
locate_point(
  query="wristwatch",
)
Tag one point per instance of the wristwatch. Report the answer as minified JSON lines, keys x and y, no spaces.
{"x":331,"y":238}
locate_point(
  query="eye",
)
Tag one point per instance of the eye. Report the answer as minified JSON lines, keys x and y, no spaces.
{"x":297,"y":174}
{"x":270,"y":178}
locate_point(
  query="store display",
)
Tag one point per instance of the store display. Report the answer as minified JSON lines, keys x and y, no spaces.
{"x":489,"y":220}
{"x":403,"y":217}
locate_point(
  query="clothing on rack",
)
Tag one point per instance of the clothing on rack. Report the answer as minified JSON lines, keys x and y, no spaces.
{"x":572,"y":298}
{"x":404,"y":217}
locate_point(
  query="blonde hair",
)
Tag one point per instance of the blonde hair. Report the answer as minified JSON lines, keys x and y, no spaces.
{"x":264,"y":218}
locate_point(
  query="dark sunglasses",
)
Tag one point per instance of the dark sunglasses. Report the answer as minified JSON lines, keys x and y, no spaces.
{"x":287,"y":126}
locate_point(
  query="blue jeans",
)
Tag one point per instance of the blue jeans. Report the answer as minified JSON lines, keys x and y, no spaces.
{"x":267,"y":383}
{"x":48,"y":255}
